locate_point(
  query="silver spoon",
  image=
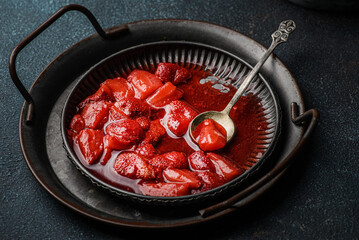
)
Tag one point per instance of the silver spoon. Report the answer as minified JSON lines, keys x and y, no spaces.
{"x":279,"y":36}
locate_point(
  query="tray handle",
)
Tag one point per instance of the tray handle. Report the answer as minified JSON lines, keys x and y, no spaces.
{"x":40,"y":29}
{"x":263,"y":184}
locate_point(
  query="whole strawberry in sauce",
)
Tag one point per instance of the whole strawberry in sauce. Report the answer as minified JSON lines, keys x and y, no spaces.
{"x":210,"y":135}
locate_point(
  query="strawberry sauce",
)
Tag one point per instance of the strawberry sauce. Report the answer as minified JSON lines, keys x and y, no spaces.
{"x":247,"y":115}
{"x":143,"y":146}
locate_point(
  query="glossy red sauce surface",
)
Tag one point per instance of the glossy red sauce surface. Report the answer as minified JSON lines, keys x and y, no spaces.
{"x":247,"y":115}
{"x":242,"y":152}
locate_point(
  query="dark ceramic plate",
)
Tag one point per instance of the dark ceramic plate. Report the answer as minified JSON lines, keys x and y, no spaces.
{"x":40,"y":127}
{"x":223,"y":65}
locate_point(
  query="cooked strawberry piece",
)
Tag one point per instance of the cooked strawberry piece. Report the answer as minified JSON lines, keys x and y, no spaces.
{"x":125,"y":129}
{"x":182,"y":75}
{"x":117,"y":114}
{"x":103,"y":93}
{"x":209,"y":180}
{"x":145,"y":83}
{"x":164,"y":95}
{"x":107,"y":154}
{"x":179,"y":117}
{"x":166,"y":72}
{"x":164,"y":189}
{"x":95,"y":114}
{"x":90,"y":143}
{"x":147,"y":151}
{"x":169,"y":72}
{"x":116,"y":143}
{"x":157,"y":113}
{"x":77,"y":123}
{"x":144,"y":122}
{"x":181,"y":176}
{"x":224,"y":167}
{"x":210,"y":135}
{"x":170,"y":159}
{"x":159,"y":175}
{"x":154,"y":133}
{"x":133,"y":166}
{"x":198,"y":161}
{"x":133,"y":107}
{"x":120,"y":88}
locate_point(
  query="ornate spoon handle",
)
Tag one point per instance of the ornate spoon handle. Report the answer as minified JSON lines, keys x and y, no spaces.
{"x":279,"y":36}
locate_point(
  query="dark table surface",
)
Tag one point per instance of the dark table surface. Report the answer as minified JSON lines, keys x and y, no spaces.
{"x":317,"y":199}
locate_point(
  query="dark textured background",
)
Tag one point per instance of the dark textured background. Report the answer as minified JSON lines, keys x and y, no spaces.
{"x":318,"y":199}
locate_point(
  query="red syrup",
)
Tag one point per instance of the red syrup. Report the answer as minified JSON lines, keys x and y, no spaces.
{"x":243,"y":151}
{"x":247,"y":115}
